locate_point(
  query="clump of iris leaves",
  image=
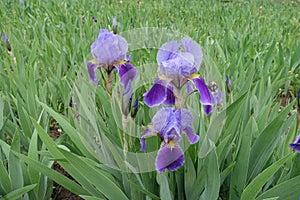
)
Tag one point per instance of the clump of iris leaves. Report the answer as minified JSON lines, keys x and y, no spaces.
{"x":243,"y":150}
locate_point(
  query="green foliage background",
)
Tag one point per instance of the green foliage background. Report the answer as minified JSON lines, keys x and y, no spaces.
{"x":243,"y":151}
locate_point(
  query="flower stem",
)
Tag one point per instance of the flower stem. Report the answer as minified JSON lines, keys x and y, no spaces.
{"x":109,"y":81}
{"x":179,"y":101}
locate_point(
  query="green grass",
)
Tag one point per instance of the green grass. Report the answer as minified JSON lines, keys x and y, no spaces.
{"x":243,"y":149}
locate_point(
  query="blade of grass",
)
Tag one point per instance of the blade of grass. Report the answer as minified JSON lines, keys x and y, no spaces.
{"x":96,"y":177}
{"x":19,"y":192}
{"x":256,"y":185}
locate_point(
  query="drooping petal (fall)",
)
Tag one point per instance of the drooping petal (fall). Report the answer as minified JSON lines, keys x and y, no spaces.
{"x":189,"y":131}
{"x":157,"y":94}
{"x":170,"y":100}
{"x":150,"y":131}
{"x":92,"y":66}
{"x":206,"y":97}
{"x":169,"y":158}
{"x":127,"y":74}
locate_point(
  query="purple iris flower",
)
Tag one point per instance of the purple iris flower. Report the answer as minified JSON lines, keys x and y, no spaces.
{"x":296,"y":144}
{"x":176,"y":68}
{"x":110,"y":52}
{"x":169,"y":124}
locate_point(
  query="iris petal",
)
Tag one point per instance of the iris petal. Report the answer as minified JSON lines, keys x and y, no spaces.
{"x":109,"y":48}
{"x":193,"y":138}
{"x":208,"y":109}
{"x":92,"y":66}
{"x":295,"y":147}
{"x":157,"y":94}
{"x":170,"y":100}
{"x":296,"y":144}
{"x":148,"y":133}
{"x":194,"y":48}
{"x":167,"y":51}
{"x":185,"y":117}
{"x":127,"y":74}
{"x":169,"y":158}
{"x":206,"y":97}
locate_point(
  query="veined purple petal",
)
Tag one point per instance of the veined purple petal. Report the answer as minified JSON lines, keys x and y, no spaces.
{"x":208,"y":109}
{"x":194,"y":48}
{"x":206,"y":97}
{"x":185,"y":117}
{"x":92,"y":66}
{"x":157,"y":94}
{"x":167,"y":51}
{"x":170,"y":100}
{"x":181,"y":65}
{"x":161,"y":119}
{"x":148,"y":133}
{"x":168,"y":158}
{"x":193,"y":138}
{"x":127,"y":74}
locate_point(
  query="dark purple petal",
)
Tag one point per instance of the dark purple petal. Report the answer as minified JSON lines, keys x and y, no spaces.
{"x":208,"y":109}
{"x":168,"y":158}
{"x":296,"y":144}
{"x":92,"y":66}
{"x":170,"y":100}
{"x":157,"y":94}
{"x":193,"y":138}
{"x":205,"y":96}
{"x":167,"y":51}
{"x":148,"y":133}
{"x":127,"y":74}
{"x":295,"y":147}
{"x":194,"y":48}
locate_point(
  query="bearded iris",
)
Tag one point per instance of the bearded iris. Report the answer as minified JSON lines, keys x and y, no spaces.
{"x":169,"y":124}
{"x":176,"y":68}
{"x":110,"y":53}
